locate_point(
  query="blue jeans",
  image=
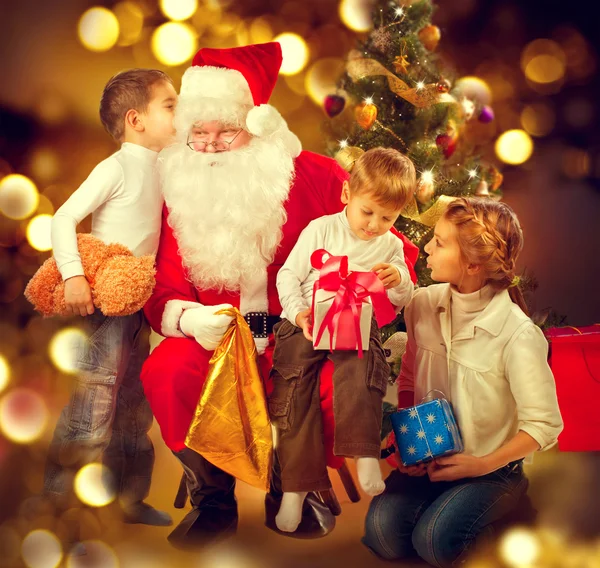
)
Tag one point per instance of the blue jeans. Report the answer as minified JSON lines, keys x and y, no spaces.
{"x":439,"y":521}
{"x":107,"y":417}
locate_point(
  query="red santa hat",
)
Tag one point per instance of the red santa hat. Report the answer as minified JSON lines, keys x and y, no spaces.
{"x":234,"y":86}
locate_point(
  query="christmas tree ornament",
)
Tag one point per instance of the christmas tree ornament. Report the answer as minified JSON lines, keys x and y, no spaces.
{"x":486,"y":114}
{"x":495,"y":178}
{"x":347,"y":156}
{"x":446,"y":143}
{"x":468,"y":108}
{"x":382,"y":39}
{"x":333,"y":105}
{"x":401,"y":64}
{"x":430,"y":37}
{"x":366,"y":115}
{"x":482,"y":188}
{"x":424,"y":193}
{"x":443,"y":86}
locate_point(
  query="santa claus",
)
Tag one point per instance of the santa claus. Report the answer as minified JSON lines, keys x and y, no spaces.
{"x":238,"y":192}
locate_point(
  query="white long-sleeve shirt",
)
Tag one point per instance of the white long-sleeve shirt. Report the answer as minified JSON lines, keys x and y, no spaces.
{"x":296,"y":277}
{"x":493,"y":368}
{"x":123,"y":195}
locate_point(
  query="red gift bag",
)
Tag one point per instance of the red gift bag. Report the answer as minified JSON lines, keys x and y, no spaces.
{"x":575,"y":362}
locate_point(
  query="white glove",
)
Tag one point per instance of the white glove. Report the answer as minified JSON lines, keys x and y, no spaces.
{"x":204,"y":326}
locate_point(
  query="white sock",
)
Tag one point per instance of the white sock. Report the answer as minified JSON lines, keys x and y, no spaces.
{"x":369,"y":475}
{"x":290,"y":511}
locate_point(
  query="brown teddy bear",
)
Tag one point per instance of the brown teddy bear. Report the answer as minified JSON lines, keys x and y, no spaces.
{"x":121,"y":283}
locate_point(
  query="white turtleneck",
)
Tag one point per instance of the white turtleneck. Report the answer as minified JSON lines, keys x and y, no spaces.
{"x":464,"y":308}
{"x":123,"y":196}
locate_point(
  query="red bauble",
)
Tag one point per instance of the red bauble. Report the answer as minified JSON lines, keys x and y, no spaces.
{"x":447,"y":144}
{"x":334,"y":104}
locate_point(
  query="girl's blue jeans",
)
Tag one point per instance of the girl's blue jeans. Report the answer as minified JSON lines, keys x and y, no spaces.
{"x":439,"y":521}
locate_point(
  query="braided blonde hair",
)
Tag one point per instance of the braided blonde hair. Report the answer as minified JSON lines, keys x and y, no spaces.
{"x":489,"y":235}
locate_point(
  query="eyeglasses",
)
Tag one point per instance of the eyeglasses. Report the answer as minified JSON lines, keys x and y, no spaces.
{"x":218,"y":145}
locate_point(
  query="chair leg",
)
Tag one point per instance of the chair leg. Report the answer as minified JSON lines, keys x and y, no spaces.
{"x":348,"y":483}
{"x":181,"y":496}
{"x":329,"y":498}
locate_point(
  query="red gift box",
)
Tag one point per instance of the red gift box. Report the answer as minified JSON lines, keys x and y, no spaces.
{"x":575,"y":362}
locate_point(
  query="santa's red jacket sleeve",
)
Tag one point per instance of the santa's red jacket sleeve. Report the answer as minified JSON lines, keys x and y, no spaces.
{"x":173,"y":292}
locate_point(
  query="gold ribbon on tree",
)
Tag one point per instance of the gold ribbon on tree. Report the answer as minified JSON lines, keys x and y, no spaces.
{"x":231,"y":426}
{"x":430,"y":217}
{"x":424,"y":97}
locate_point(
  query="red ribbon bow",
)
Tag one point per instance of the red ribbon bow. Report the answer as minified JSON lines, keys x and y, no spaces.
{"x":351,"y":288}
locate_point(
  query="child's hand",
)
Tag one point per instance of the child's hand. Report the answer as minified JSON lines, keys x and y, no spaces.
{"x":304,"y":323}
{"x":388,"y":274}
{"x":417,"y":470}
{"x":78,"y":296}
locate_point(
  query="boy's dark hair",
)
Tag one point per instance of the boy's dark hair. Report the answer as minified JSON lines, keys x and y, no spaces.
{"x":127,"y":90}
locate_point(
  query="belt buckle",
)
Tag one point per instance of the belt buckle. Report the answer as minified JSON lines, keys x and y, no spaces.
{"x":257,"y":327}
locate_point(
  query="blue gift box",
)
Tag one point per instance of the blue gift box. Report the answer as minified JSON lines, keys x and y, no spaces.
{"x":426,"y":431}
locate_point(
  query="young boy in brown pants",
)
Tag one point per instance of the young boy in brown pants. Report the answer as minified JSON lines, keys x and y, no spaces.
{"x":381,"y":183}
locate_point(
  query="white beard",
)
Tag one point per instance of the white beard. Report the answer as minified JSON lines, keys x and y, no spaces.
{"x":227,"y":209}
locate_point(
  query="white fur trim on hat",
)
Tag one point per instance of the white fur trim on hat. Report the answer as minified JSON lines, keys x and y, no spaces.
{"x":265,"y":120}
{"x":212,"y":93}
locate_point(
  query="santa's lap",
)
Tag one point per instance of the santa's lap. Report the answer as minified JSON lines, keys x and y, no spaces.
{"x":173,"y":377}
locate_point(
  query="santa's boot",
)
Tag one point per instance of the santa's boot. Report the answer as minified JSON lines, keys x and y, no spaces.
{"x":317,"y":520}
{"x":214,"y":509}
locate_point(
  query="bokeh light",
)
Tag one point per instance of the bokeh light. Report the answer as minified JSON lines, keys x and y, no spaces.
{"x":98,"y":29}
{"x":18,"y":196}
{"x":4,"y":373}
{"x":538,"y":119}
{"x":178,"y":10}
{"x":38,"y":232}
{"x":97,"y":555}
{"x":474,"y":88}
{"x":260,"y":31}
{"x":519,"y":547}
{"x":174,"y":43}
{"x":23,"y":415}
{"x":41,"y":549}
{"x":94,"y":485}
{"x":576,"y":163}
{"x":356,"y":14}
{"x":321,"y":78}
{"x":295,"y":53}
{"x":514,"y":147}
{"x":64,"y":346}
{"x":545,"y":68}
{"x":131,"y":22}
{"x":44,"y":164}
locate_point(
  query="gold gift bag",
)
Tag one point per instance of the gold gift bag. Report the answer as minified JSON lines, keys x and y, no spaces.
{"x":231,"y":427}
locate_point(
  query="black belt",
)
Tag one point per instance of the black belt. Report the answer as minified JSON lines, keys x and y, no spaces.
{"x":260,"y":323}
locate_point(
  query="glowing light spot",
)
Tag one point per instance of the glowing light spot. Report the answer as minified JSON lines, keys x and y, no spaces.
{"x":19,"y":197}
{"x":356,"y":14}
{"x":38,"y":232}
{"x":41,"y":549}
{"x":295,"y":53}
{"x":514,"y":147}
{"x":4,"y":373}
{"x":519,"y":547}
{"x":174,"y":43}
{"x":64,"y":346}
{"x":23,"y":415}
{"x":94,"y":485}
{"x":98,"y":29}
{"x":178,"y":10}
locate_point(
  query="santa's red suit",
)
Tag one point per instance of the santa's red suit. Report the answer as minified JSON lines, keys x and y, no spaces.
{"x":174,"y":374}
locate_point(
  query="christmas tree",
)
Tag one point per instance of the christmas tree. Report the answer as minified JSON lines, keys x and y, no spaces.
{"x":394,"y":93}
